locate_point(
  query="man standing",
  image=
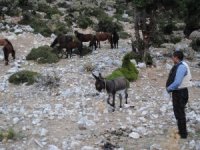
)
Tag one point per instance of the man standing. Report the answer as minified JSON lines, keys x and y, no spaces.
{"x":178,"y":81}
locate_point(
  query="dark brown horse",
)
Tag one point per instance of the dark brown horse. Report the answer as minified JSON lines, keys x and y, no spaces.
{"x":115,"y":38}
{"x":87,"y":38}
{"x":69,"y":42}
{"x":103,"y":36}
{"x":7,"y":49}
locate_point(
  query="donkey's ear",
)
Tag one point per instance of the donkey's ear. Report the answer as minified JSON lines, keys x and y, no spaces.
{"x":97,"y":78}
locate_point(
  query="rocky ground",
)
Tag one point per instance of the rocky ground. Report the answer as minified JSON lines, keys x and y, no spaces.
{"x":75,"y":116}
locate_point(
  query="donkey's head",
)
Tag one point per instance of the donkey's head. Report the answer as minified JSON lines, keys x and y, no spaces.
{"x":100,"y":82}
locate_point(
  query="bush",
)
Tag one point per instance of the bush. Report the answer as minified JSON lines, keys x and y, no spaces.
{"x":48,"y":10}
{"x":86,"y":50}
{"x":124,"y":35}
{"x":49,"y":81}
{"x":39,"y":25}
{"x":107,"y":25}
{"x":195,"y":44}
{"x":128,"y":70}
{"x":84,"y":22}
{"x":174,"y":39}
{"x":43,"y":54}
{"x":24,"y":76}
{"x":8,"y":134}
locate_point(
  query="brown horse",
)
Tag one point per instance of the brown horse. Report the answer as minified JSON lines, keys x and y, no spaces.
{"x":69,"y":42}
{"x":103,"y":36}
{"x":7,"y":49}
{"x":86,"y":38}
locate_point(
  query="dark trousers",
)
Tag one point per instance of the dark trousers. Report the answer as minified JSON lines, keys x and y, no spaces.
{"x":180,"y":99}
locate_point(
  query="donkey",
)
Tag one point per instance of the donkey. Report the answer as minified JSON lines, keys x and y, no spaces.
{"x":112,"y":87}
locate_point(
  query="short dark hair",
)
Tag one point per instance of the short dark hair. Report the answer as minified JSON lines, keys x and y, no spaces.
{"x":179,"y":55}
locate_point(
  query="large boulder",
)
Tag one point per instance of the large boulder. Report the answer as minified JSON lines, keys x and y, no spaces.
{"x":194,"y":35}
{"x":188,"y":51}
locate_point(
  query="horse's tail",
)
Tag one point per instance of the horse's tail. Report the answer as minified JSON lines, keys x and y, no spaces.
{"x":9,"y":43}
{"x":10,"y":46}
{"x":54,"y":42}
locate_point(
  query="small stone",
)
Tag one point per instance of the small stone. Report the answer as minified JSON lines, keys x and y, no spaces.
{"x":134,"y":135}
{"x":87,"y":148}
{"x":192,"y":144}
{"x":53,"y":147}
{"x":15,"y":120}
{"x":43,"y":132}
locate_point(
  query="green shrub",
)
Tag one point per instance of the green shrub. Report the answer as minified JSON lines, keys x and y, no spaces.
{"x":61,"y":28}
{"x":175,"y":40}
{"x":148,"y":59}
{"x":124,"y":35}
{"x":128,"y":70}
{"x":24,"y":76}
{"x":42,"y":7}
{"x":43,"y":54}
{"x":1,"y":136}
{"x":84,"y":22}
{"x":107,"y":25}
{"x":86,"y":50}
{"x":11,"y":134}
{"x":195,"y":44}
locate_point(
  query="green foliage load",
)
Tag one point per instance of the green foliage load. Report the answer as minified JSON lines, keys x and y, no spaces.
{"x":128,"y":70}
{"x":43,"y":54}
{"x":24,"y":76}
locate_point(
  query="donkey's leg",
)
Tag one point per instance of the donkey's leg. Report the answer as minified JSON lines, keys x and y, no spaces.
{"x":120,"y":98}
{"x":126,"y":96}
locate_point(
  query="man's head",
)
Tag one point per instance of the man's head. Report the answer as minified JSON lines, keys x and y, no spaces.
{"x":177,"y":56}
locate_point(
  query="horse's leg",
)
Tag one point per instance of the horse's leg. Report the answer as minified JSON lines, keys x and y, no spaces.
{"x":108,"y":99}
{"x":5,"y":51}
{"x":70,"y":52}
{"x":113,"y":104}
{"x":126,"y":96}
{"x":13,"y":54}
{"x":80,"y":49}
{"x":120,"y":98}
{"x":98,"y":43}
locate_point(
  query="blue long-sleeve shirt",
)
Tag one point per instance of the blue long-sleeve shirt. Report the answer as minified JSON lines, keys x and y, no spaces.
{"x":180,"y":73}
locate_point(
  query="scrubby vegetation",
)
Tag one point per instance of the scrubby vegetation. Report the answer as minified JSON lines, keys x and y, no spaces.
{"x":128,"y":70}
{"x":50,"y":11}
{"x":25,"y":76}
{"x":196,"y":44}
{"x":43,"y":54}
{"x":45,"y":27}
{"x":6,"y":135}
{"x":85,"y":51}
{"x":84,"y":22}
{"x":124,"y":35}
